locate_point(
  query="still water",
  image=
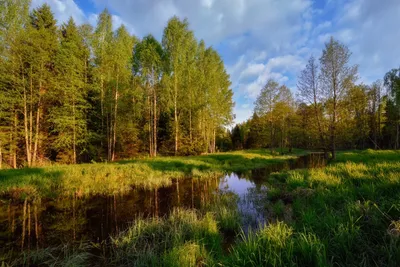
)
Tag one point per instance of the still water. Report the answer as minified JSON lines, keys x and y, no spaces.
{"x":43,"y":223}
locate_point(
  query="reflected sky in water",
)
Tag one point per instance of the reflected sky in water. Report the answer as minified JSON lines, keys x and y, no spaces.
{"x":41,"y":223}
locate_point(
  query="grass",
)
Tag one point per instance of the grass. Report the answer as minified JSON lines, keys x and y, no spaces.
{"x":345,"y":214}
{"x":277,"y":245}
{"x":349,"y":211}
{"x":63,"y":255}
{"x":185,"y":238}
{"x":119,"y":177}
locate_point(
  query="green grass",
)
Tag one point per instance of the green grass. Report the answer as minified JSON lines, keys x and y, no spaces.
{"x":185,"y":238}
{"x":119,"y":177}
{"x":349,"y":211}
{"x":345,"y":214}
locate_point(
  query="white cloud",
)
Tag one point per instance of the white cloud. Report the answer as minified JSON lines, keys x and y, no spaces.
{"x":262,"y":39}
{"x":62,"y":9}
{"x":207,"y":3}
{"x":275,"y":68}
{"x":242,"y":114}
{"x":252,"y":70}
{"x":271,"y":21}
{"x":261,"y":56}
{"x":370,"y":29}
{"x":117,"y":22}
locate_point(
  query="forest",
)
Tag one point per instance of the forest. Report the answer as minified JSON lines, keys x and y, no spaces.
{"x":117,"y":150}
{"x":74,"y":93}
{"x":329,"y":111}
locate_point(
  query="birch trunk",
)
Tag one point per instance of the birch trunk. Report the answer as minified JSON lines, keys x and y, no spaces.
{"x":149,"y":127}
{"x":28,"y":152}
{"x":115,"y":121}
{"x":176,"y":113}
{"x":74,"y":133}
{"x":34,"y":158}
{"x":14,"y":160}
{"x":155,"y":122}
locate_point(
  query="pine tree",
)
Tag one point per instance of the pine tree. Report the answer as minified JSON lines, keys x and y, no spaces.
{"x":14,"y":16}
{"x":40,"y":54}
{"x":69,"y":99}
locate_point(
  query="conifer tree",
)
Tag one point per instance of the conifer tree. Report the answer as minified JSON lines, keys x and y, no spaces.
{"x":69,"y":99}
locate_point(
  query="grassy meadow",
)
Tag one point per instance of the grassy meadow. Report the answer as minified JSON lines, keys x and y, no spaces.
{"x":344,"y":214}
{"x":119,"y":177}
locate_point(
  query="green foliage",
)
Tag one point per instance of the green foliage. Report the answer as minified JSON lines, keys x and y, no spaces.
{"x":69,"y":105}
{"x":332,"y":110}
{"x":73,"y":94}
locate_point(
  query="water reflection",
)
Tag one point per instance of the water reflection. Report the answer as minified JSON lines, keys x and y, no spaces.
{"x":44,"y":223}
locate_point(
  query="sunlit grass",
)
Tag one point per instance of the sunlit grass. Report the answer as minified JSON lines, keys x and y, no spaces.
{"x":185,"y":238}
{"x":345,"y":214}
{"x":351,"y":207}
{"x":119,"y":177}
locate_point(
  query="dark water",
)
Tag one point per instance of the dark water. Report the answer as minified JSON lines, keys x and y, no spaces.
{"x":44,"y":223}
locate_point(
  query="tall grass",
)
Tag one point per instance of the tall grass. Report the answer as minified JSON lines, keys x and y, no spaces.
{"x":119,"y":177}
{"x":185,"y":238}
{"x":346,"y":214}
{"x":351,"y":207}
{"x":278,"y":245}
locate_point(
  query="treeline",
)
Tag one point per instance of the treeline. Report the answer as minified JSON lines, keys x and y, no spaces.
{"x":330,"y":110}
{"x":74,"y":93}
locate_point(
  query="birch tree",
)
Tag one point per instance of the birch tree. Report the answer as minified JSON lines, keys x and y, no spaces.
{"x":175,"y":42}
{"x":148,"y":65}
{"x":122,"y":46}
{"x":337,"y":76}
{"x":310,"y":92}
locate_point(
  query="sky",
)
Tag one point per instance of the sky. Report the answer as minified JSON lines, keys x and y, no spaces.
{"x":262,"y":39}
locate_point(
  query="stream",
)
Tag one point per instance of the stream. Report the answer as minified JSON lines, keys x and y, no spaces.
{"x":45,"y":223}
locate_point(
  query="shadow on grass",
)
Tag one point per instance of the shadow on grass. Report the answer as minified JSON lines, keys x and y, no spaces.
{"x":225,"y":162}
{"x":29,"y":181}
{"x":368,"y":156}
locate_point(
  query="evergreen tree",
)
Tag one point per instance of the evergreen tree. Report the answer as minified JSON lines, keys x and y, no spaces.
{"x":69,"y":99}
{"x":14,"y":17}
{"x":392,"y":82}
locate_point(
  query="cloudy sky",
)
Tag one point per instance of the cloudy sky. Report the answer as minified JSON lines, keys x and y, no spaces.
{"x":262,"y":39}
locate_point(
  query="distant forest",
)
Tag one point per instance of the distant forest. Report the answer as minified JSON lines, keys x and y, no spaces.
{"x":74,"y":93}
{"x":330,"y":110}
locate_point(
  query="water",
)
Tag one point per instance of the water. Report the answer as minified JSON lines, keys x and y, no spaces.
{"x":44,"y":223}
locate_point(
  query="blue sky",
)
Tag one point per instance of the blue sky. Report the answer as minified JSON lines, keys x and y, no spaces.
{"x":262,"y":39}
